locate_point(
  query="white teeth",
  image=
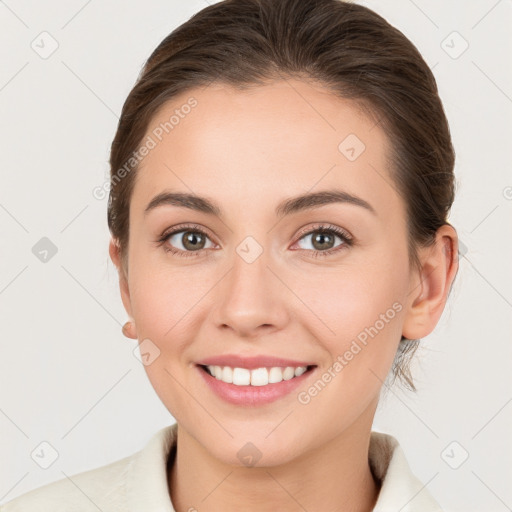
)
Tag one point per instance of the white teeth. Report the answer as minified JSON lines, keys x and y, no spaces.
{"x":275,"y":375}
{"x":256,"y":377}
{"x":259,"y":377}
{"x":241,"y":376}
{"x":299,"y":371}
{"x":227,"y":374}
{"x":289,"y":373}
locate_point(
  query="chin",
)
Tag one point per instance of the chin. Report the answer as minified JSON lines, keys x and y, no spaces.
{"x":251,"y":450}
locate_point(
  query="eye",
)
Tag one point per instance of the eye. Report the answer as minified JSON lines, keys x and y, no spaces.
{"x":191,"y":238}
{"x":323,"y":237}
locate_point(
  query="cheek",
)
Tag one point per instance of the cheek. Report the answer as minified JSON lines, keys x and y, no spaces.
{"x":361,"y":312}
{"x":163,"y":293}
{"x":360,"y":331}
{"x":348,"y":299}
{"x":163,"y":300}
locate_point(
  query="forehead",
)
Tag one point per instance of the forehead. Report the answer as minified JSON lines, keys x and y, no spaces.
{"x":260,"y":145}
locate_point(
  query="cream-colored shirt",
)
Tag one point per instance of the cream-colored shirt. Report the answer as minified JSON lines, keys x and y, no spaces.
{"x":138,"y":483}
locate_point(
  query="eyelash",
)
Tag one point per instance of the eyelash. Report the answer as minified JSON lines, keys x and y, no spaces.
{"x":321,"y":228}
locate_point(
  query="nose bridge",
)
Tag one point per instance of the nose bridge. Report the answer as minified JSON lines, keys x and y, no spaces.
{"x":250,"y":296}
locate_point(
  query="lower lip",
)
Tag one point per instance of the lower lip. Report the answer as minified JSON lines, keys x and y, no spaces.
{"x":253,"y":395}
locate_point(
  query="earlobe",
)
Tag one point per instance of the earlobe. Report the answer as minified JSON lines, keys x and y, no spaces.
{"x":430,"y":289}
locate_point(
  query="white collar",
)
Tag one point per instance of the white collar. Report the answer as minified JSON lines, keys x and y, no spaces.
{"x":401,"y":491}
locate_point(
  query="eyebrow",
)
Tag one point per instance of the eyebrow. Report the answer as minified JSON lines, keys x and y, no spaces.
{"x":286,"y":207}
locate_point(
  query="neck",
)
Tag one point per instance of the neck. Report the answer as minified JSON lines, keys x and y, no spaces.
{"x":336,"y":476}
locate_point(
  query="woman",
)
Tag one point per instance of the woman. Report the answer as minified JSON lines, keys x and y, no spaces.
{"x":257,"y":132}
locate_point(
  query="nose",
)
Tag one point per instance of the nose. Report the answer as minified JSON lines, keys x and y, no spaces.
{"x":252,"y":299}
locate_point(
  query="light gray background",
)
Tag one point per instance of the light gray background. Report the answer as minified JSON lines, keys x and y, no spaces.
{"x":68,"y":375}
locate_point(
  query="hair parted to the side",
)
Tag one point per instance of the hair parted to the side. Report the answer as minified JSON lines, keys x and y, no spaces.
{"x":344,"y":46}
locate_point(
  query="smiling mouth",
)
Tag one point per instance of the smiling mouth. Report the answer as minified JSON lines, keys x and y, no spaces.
{"x":257,"y":376}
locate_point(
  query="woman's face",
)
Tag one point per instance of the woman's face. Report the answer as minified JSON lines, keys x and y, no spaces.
{"x":262,"y":280}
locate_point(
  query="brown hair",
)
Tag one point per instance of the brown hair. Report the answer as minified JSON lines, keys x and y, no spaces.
{"x":348,"y":48}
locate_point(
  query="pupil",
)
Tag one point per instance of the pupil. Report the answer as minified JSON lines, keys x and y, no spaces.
{"x":190,"y":239}
{"x":322,"y":238}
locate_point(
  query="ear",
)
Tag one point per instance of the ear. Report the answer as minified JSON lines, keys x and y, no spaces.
{"x":430,"y":287}
{"x":115,"y":256}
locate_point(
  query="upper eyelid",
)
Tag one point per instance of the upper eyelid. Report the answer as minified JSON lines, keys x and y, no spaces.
{"x":326,"y":226}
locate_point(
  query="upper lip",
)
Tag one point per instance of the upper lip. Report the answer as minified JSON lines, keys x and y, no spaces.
{"x":237,"y":361}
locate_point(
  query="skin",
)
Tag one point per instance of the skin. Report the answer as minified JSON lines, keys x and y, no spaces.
{"x":247,"y":151}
